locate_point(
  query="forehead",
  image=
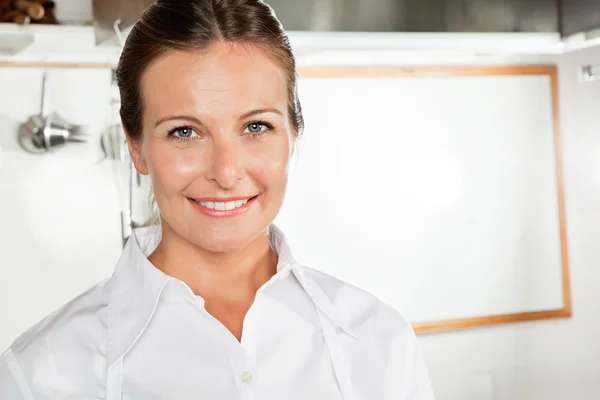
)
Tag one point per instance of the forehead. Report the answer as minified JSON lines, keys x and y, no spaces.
{"x":226,"y":78}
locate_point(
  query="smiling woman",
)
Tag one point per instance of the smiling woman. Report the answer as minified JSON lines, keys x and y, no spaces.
{"x":210,"y":300}
{"x":216,"y":134}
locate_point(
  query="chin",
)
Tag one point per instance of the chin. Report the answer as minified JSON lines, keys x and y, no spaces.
{"x":221,"y":246}
{"x":214,"y":235}
{"x":223,"y":240}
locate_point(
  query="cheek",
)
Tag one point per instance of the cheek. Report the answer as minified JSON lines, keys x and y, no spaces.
{"x":171,"y":168}
{"x":270,"y":166}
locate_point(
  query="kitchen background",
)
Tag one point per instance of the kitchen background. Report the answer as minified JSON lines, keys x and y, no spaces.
{"x":60,"y":211}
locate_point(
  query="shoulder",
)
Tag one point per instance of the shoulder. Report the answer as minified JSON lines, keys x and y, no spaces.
{"x":66,"y":342}
{"x":362,"y":311}
{"x":80,"y":318}
{"x":385,"y":338}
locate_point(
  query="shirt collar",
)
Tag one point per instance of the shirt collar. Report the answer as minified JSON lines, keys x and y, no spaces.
{"x":309,"y":283}
{"x":133,"y":292}
{"x":136,"y":286}
{"x":322,"y":300}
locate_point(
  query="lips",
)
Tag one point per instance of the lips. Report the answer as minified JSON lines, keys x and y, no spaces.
{"x":223,"y":207}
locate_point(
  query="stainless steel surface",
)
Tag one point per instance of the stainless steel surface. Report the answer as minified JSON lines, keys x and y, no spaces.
{"x":39,"y":135}
{"x":372,"y":16}
{"x":46,"y":133}
{"x":106,"y":12}
{"x":114,"y":145}
{"x":419,"y":15}
{"x":42,"y":132}
{"x":342,"y":15}
{"x":589,"y":73}
{"x":501,"y":15}
{"x":579,"y":16}
{"x":127,"y":180}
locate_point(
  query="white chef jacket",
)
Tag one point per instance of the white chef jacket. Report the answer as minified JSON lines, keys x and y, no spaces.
{"x":142,"y":335}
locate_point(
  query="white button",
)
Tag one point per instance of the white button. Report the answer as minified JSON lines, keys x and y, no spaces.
{"x":246,"y":377}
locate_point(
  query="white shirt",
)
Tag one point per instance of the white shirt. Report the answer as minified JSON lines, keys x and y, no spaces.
{"x":142,"y":335}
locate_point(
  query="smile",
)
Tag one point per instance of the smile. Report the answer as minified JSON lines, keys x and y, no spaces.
{"x":228,"y":208}
{"x":222,"y":205}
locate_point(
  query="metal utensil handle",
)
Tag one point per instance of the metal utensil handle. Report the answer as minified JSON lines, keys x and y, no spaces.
{"x":127,"y":225}
{"x":43,"y":96}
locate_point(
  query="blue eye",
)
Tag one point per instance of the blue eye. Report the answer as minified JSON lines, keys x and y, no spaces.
{"x":182,"y":133}
{"x":257,"y":128}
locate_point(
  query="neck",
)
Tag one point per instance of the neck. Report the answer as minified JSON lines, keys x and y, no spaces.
{"x":233,"y":277}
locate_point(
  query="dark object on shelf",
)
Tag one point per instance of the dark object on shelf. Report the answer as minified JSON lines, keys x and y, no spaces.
{"x":16,"y":16}
{"x":49,"y":17}
{"x":28,"y":11}
{"x":34,"y":9}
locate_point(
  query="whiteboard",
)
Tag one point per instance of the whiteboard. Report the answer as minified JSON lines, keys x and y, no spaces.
{"x":438,"y":193}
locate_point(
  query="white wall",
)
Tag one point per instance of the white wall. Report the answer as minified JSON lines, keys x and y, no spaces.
{"x":452,"y":178}
{"x":548,"y":360}
{"x":551,"y":360}
{"x":59,"y":213}
{"x":73,"y":10}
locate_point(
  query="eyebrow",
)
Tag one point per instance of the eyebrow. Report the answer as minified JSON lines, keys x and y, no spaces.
{"x":178,"y":117}
{"x":198,"y":122}
{"x":261,"y":111}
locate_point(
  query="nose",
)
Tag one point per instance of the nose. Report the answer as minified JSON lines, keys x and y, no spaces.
{"x":226,"y":167}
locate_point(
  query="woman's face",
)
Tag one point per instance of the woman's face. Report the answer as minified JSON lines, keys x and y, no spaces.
{"x":216,"y":143}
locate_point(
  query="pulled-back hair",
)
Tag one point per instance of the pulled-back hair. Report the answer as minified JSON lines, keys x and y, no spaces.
{"x":170,"y":25}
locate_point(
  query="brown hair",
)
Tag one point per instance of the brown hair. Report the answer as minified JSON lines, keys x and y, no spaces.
{"x":169,"y":25}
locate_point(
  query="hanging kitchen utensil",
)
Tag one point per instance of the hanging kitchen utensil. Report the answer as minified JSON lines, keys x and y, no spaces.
{"x":42,"y":133}
{"x":114,"y":145}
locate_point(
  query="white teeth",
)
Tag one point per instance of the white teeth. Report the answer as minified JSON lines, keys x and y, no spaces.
{"x":222,"y":206}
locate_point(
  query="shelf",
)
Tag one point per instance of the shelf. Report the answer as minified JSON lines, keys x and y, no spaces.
{"x":442,"y":42}
{"x":53,"y":44}
{"x":75,"y":44}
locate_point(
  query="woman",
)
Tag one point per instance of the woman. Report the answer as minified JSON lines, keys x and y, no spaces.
{"x":210,"y":304}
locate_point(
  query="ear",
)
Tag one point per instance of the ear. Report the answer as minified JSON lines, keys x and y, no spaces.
{"x":139,"y":163}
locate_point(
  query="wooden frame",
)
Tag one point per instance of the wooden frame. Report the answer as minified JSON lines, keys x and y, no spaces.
{"x":546,"y":70}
